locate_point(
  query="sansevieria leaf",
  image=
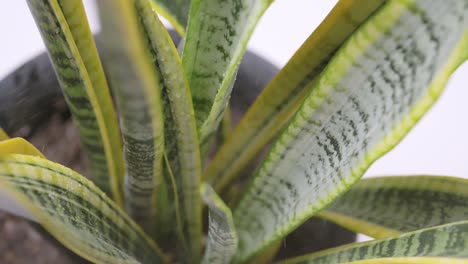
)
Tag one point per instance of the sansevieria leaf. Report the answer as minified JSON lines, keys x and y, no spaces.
{"x":373,"y":91}
{"x":285,"y":93}
{"x":175,"y":11}
{"x":19,"y":146}
{"x":166,"y":96}
{"x":222,"y":237}
{"x":225,"y":127}
{"x":68,"y":39}
{"x":3,"y":135}
{"x":444,"y":244}
{"x":388,"y":206}
{"x":216,"y":39}
{"x":138,"y":95}
{"x":23,"y":147}
{"x":75,"y":211}
{"x":181,"y":138}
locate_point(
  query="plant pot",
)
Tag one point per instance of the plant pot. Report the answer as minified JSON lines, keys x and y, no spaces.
{"x":32,"y":106}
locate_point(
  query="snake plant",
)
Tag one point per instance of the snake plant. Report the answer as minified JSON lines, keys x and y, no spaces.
{"x":351,"y":92}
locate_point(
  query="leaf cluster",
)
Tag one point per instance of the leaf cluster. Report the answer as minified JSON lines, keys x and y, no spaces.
{"x":353,"y":90}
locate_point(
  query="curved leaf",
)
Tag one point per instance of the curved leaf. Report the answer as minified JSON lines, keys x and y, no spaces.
{"x":19,"y":146}
{"x":175,"y":11}
{"x":222,"y":237}
{"x":377,"y":86}
{"x":3,"y":135}
{"x":285,"y":93}
{"x":446,"y":244}
{"x":216,"y":39}
{"x":138,"y":95}
{"x":388,"y":206}
{"x":68,"y":39}
{"x":75,"y":212}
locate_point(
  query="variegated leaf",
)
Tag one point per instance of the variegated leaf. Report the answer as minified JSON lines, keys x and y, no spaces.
{"x":68,"y":39}
{"x":181,"y":139}
{"x":376,"y":87}
{"x":75,"y":211}
{"x":442,"y":244}
{"x":138,"y":95}
{"x":388,"y":206}
{"x":222,"y":237}
{"x":181,"y":142}
{"x":216,"y":39}
{"x":282,"y":97}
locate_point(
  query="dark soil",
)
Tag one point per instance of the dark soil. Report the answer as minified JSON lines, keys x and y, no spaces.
{"x":21,"y":243}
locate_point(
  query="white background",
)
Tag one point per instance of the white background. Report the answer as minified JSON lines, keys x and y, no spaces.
{"x":437,"y":145}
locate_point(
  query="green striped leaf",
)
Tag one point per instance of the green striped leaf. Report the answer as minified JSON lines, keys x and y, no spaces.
{"x":388,"y":206}
{"x":283,"y":96}
{"x":377,"y":86}
{"x":181,"y":142}
{"x":68,"y":39}
{"x":175,"y":11}
{"x":216,"y":39}
{"x":181,"y":138}
{"x":222,"y":237}
{"x":75,"y":211}
{"x":138,"y":94}
{"x":441,"y":244}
